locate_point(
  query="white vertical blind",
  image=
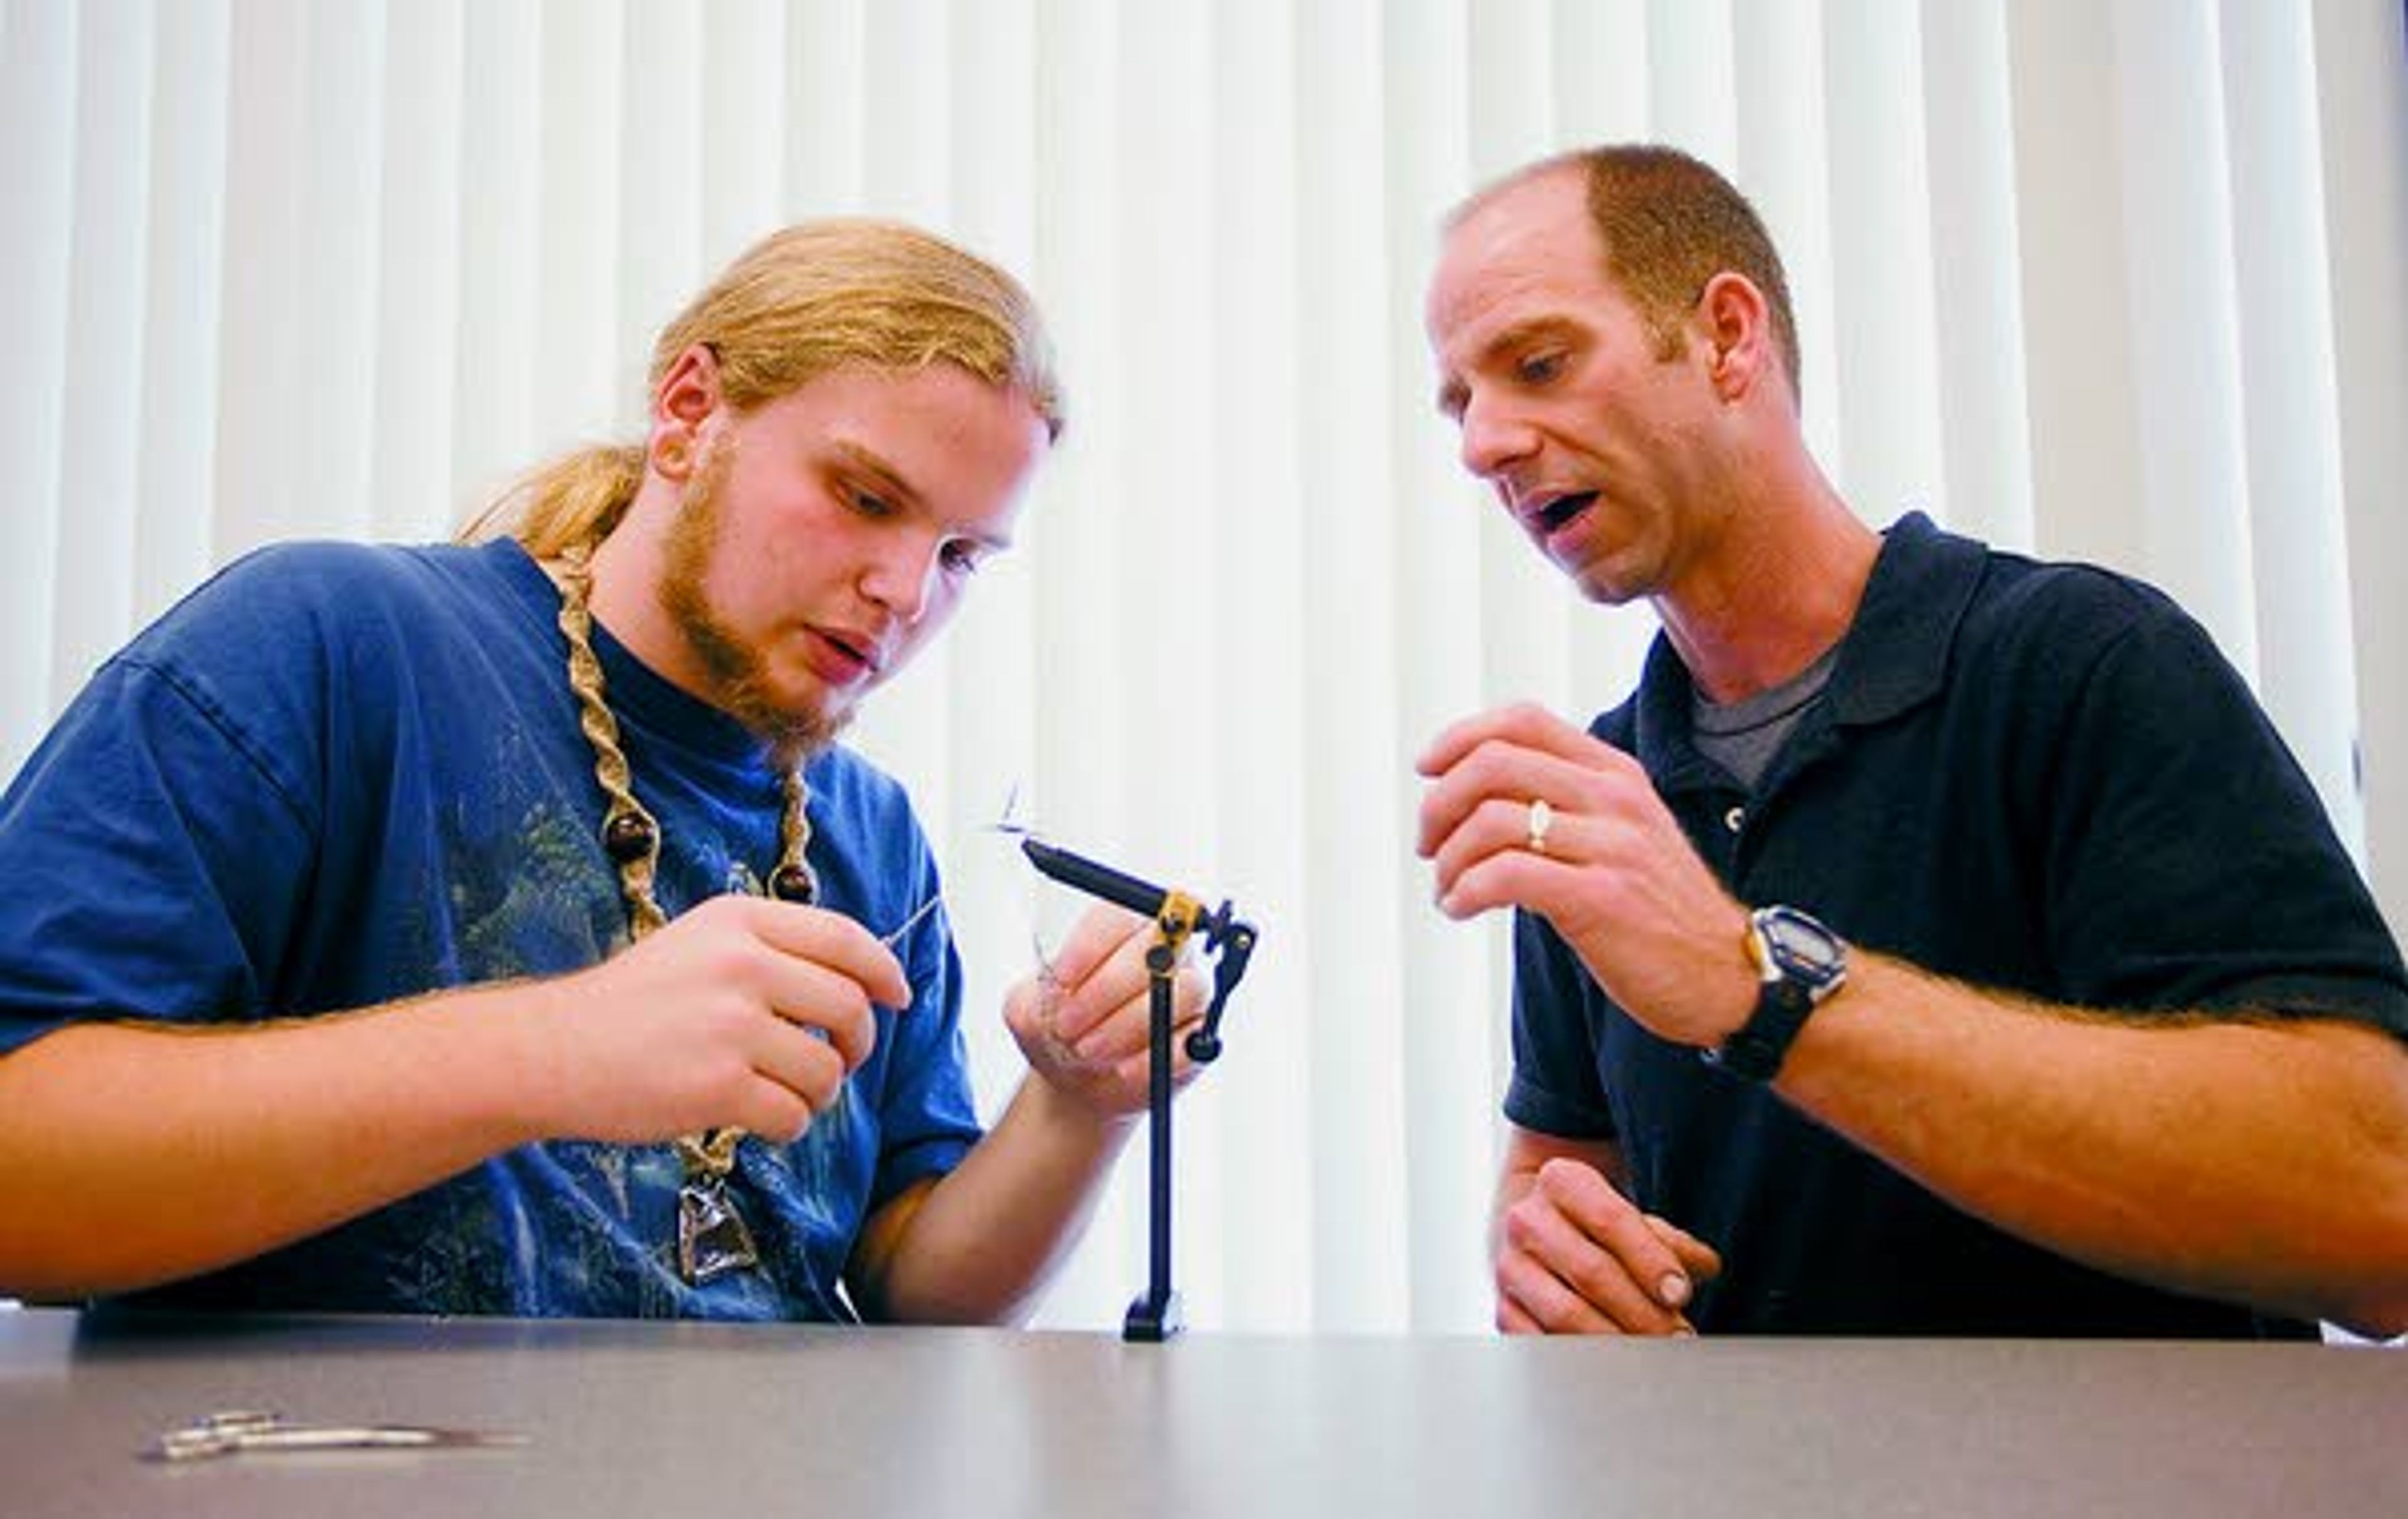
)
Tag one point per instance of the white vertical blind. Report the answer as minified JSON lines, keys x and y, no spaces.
{"x":1976,"y":272}
{"x":1340,"y":1085}
{"x":2126,"y":282}
{"x":2362,"y":120}
{"x":421,"y":209}
{"x":2079,"y":337}
{"x":2298,"y":564}
{"x":99,"y":438}
{"x":2178,"y":289}
{"x":1885,"y":378}
{"x":37,"y":132}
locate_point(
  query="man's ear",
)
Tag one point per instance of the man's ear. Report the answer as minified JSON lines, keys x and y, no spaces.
{"x":1737,"y":332}
{"x":683,"y":401}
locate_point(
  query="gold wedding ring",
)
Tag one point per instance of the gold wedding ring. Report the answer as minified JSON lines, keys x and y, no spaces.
{"x":1542,"y":817}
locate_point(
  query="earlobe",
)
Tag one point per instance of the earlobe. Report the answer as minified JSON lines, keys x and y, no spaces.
{"x":1735,"y":318}
{"x":1734,"y":369}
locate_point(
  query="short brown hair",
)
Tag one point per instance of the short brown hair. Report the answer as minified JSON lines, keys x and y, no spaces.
{"x":1670,"y":223}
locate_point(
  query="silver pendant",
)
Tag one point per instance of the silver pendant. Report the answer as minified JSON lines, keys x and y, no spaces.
{"x":713,"y":1240}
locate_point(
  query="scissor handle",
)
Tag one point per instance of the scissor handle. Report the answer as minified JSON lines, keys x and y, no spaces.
{"x":213,"y":1434}
{"x":242,"y":1429}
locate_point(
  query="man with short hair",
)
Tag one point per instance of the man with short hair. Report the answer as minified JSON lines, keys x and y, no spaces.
{"x":498,"y":928}
{"x":1937,"y":942}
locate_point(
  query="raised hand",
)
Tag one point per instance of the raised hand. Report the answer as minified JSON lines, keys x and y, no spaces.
{"x":743,"y":1012}
{"x":1605,"y":863}
{"x":1083,"y":1021}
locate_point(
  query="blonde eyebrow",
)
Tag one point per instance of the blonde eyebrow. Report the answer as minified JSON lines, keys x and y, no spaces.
{"x":870,"y":461}
{"x":889,"y":480}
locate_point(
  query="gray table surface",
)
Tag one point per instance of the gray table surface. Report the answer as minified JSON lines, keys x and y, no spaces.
{"x":680,"y":1419}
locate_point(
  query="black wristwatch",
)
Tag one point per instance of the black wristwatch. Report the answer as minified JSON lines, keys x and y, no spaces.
{"x":1801,"y":962}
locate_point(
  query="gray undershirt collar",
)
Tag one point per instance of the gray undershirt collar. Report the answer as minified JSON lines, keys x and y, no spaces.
{"x":1742,"y":735}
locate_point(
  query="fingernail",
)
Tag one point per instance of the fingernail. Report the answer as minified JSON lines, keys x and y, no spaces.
{"x":1673,"y":1290}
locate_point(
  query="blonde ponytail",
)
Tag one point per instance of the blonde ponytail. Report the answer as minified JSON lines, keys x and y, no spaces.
{"x":574,"y":499}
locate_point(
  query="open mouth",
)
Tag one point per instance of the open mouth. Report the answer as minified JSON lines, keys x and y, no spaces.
{"x":1562,"y":509}
{"x":852,"y":661}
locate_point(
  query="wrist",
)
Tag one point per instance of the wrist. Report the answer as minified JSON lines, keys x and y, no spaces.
{"x":524,"y":1077}
{"x":1801,"y":964}
{"x":1071,"y":1115}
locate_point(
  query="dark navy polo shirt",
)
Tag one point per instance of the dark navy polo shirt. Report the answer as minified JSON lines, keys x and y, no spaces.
{"x":2037,"y":778}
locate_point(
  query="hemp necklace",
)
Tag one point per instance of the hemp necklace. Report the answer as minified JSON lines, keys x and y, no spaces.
{"x":713,"y":1240}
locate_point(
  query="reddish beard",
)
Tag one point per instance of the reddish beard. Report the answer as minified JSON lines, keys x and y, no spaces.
{"x":739,"y":673}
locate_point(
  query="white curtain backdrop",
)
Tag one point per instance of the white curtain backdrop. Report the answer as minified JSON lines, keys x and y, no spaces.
{"x":2126,"y":281}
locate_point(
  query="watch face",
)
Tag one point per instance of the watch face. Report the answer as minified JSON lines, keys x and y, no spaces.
{"x":1798,"y":945}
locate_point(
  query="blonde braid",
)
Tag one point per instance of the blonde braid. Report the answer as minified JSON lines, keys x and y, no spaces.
{"x":632,"y":837}
{"x":628,"y":831}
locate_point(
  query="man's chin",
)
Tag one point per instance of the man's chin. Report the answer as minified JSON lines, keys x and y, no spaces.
{"x":1605,"y":585}
{"x":794,"y":727}
{"x":799,"y":736}
{"x":1605,"y":592}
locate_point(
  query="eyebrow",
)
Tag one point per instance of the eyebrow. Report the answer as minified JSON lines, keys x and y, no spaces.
{"x":1522,"y":333}
{"x":869,"y":462}
{"x":889,"y":480}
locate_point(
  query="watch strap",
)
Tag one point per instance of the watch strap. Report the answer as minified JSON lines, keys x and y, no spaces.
{"x":1755,"y":1049}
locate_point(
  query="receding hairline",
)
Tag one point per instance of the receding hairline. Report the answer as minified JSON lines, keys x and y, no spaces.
{"x":1573,"y":162}
{"x":1716,"y":219}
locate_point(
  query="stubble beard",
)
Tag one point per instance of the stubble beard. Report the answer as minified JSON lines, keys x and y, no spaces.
{"x":739,"y":674}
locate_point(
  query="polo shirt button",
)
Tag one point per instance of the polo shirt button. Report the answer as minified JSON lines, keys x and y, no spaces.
{"x":1733,"y":818}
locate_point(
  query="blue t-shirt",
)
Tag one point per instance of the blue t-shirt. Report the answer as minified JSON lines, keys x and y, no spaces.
{"x":338,"y":775}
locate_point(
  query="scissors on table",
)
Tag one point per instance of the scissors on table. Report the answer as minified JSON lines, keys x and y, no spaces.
{"x":243,"y":1429}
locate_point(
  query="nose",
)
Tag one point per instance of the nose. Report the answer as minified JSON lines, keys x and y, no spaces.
{"x":903,"y":577}
{"x":1492,"y":438}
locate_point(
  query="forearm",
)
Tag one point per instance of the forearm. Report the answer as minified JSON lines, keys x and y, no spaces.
{"x":986,"y":1238}
{"x":2263,"y":1163}
{"x":132,"y":1154}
